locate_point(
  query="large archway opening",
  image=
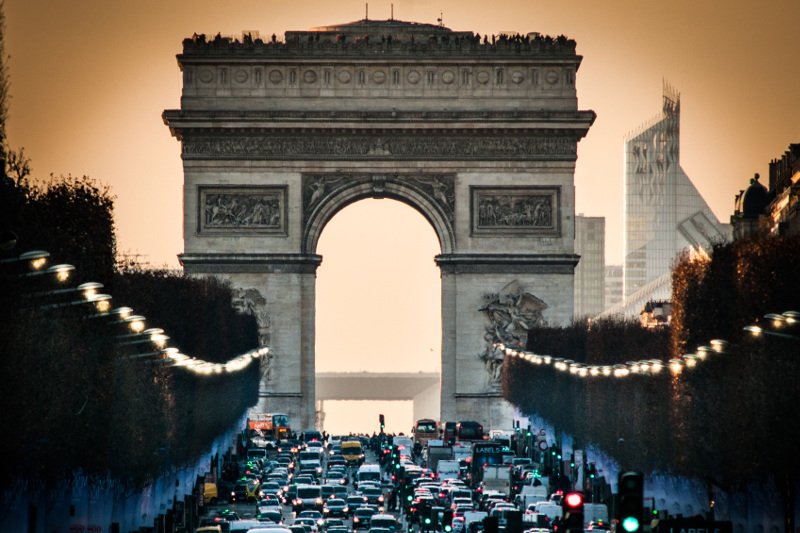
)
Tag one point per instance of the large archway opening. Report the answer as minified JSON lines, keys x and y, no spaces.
{"x":378,"y":310}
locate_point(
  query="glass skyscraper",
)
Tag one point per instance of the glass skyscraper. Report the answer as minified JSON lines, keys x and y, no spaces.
{"x":664,"y":213}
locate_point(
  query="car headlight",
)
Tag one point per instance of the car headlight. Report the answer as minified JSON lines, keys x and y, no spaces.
{"x":380,"y":498}
{"x":318,"y":501}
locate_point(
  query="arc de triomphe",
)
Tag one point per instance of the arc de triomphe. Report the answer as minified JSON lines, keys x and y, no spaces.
{"x":477,"y":134}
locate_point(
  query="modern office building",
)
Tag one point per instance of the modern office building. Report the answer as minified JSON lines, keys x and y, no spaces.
{"x":613,"y":285}
{"x":590,"y":243}
{"x":664,"y":214}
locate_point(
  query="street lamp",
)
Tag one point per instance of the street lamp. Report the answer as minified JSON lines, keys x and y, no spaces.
{"x":757,"y":331}
{"x":30,"y":263}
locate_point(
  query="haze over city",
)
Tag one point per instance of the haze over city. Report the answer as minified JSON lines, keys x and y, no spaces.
{"x":90,"y":79}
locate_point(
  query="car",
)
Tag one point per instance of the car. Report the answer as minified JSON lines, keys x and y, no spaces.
{"x":271,"y":487}
{"x":384,"y":521}
{"x":335,"y":507}
{"x":327,"y":491}
{"x":289,"y":493}
{"x":245,"y":491}
{"x":308,"y":497}
{"x":268,"y":501}
{"x":286,"y":460}
{"x":329,"y":523}
{"x":316,"y":515}
{"x":354,"y":501}
{"x":305,"y":479}
{"x":243,"y":526}
{"x":270,"y":528}
{"x":461,"y":501}
{"x":339,"y":477}
{"x":459,"y":510}
{"x":336,"y":460}
{"x":339,"y":491}
{"x":298,"y":528}
{"x":339,"y":529}
{"x":362,"y":516}
{"x":273,"y":514}
{"x":316,"y":446}
{"x":210,"y":493}
{"x":309,"y":522}
{"x":374,"y":495}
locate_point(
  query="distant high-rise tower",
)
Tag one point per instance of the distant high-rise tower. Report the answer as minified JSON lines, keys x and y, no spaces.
{"x":590,"y":244}
{"x":664,"y":213}
{"x":613,"y":285}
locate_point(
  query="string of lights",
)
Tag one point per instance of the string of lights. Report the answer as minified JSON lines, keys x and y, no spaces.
{"x":33,"y":264}
{"x":652,"y":366}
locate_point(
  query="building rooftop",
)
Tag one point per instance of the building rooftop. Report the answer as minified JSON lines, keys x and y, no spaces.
{"x":384,"y":37}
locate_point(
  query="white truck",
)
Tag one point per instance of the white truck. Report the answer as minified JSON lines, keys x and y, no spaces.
{"x":447,"y":469}
{"x":532,"y":494}
{"x":496,"y":477}
{"x":595,"y":512}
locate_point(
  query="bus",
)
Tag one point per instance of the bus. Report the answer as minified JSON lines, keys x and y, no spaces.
{"x":469,"y":431}
{"x":425,"y":430}
{"x":484,"y":453}
{"x":271,"y":425}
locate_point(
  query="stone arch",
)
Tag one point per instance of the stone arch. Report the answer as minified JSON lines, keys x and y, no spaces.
{"x":410,"y":190}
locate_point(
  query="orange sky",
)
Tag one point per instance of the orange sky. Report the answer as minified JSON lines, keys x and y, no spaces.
{"x":90,"y":79}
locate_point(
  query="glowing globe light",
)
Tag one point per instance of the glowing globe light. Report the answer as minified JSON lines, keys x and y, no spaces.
{"x":574,"y":499}
{"x":630,"y":524}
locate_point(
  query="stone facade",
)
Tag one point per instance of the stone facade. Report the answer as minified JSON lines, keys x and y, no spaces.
{"x":481,"y":138}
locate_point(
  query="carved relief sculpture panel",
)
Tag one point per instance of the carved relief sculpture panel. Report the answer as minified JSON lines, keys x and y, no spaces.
{"x":235,"y":210}
{"x":515,"y":210}
{"x":511,"y":312}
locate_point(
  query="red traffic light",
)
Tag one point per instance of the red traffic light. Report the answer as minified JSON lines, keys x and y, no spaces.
{"x":573,"y":499}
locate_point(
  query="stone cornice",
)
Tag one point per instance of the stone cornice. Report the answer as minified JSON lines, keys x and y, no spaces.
{"x":174,"y":117}
{"x":507,"y":263}
{"x":211,"y":263}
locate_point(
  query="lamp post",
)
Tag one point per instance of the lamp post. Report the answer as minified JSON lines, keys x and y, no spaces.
{"x":789,"y":318}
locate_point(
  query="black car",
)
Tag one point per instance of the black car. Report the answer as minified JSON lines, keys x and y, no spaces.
{"x":335,"y":507}
{"x":362,"y":516}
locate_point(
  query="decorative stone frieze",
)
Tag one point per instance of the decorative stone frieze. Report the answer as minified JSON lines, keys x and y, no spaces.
{"x":237,"y":210}
{"x":309,"y":147}
{"x":522,"y":211}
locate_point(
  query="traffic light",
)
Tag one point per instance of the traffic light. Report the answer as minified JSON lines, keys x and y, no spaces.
{"x":382,"y":421}
{"x":514,"y":522}
{"x":631,"y":493}
{"x":447,"y":521}
{"x":572,"y":510}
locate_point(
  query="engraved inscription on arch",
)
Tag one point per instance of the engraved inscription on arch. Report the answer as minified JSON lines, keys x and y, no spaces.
{"x":524,"y":211}
{"x":242,"y":210}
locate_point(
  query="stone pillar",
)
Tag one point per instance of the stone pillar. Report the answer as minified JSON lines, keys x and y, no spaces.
{"x":280,"y":290}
